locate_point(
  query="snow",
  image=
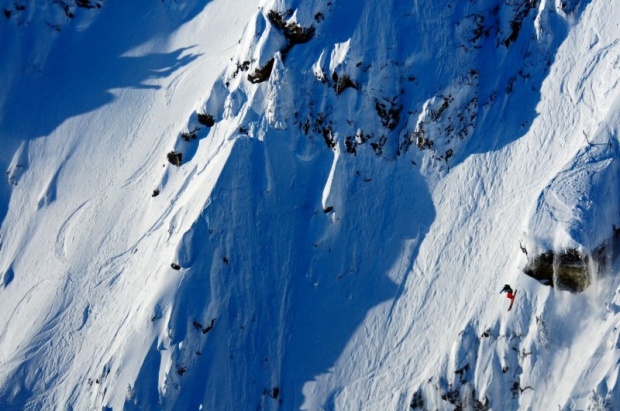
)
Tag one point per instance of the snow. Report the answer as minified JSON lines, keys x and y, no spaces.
{"x":317,"y":248}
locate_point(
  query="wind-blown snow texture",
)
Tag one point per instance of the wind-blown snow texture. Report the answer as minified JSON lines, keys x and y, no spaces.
{"x":354,"y":181}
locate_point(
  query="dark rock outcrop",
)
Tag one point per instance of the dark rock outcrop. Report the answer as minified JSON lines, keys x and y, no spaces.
{"x":175,"y":158}
{"x":569,"y":266}
{"x":261,"y":74}
{"x":206,"y":119}
{"x":568,"y":269}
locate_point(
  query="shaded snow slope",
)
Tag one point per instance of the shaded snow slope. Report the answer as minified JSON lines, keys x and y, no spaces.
{"x":287,"y":205}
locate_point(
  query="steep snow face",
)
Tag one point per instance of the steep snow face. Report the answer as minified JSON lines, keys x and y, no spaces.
{"x":89,"y":132}
{"x":311,"y":205}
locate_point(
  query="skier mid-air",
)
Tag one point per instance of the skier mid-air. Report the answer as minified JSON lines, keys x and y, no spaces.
{"x":510,"y":294}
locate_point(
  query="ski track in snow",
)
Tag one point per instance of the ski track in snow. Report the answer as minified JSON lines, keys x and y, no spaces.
{"x":64,"y":231}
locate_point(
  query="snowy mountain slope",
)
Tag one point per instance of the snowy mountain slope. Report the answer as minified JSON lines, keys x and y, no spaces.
{"x":83,"y":242}
{"x":353,"y":184}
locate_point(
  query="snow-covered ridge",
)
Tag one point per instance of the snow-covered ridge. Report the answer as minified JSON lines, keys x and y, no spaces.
{"x":511,"y":45}
{"x":307,"y":205}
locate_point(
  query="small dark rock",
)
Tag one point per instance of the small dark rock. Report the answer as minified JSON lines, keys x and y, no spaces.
{"x":273,"y":393}
{"x":421,"y":141}
{"x":261,"y":74}
{"x":351,"y":145}
{"x":206,"y":119}
{"x":241,"y":67}
{"x":155,"y":193}
{"x":329,"y":137}
{"x":175,"y":158}
{"x":293,"y":32}
{"x":517,"y":22}
{"x":447,"y":100}
{"x":328,"y":209}
{"x":276,"y":19}
{"x":209,"y":327}
{"x":417,"y":402}
{"x":511,"y":84}
{"x":175,"y":266}
{"x":296,"y":34}
{"x":188,"y":136}
{"x":86,"y":4}
{"x":343,"y":83}
{"x":523,"y":249}
{"x":377,"y":146}
{"x":453,"y":396}
{"x":481,"y":405}
{"x":390,"y":116}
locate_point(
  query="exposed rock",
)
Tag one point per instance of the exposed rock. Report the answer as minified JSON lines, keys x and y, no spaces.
{"x":208,"y":327}
{"x":86,"y":4}
{"x":273,"y":393}
{"x":261,"y":74}
{"x":420,"y":138}
{"x":342,"y":83}
{"x":417,"y":402}
{"x":206,"y":119}
{"x":522,"y":10}
{"x":390,"y":116}
{"x":569,"y":266}
{"x":175,"y":158}
{"x":189,"y":136}
{"x":328,"y":136}
{"x":569,"y":269}
{"x":293,"y":32}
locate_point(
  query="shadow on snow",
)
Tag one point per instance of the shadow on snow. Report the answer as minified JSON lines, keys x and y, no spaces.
{"x":81,"y":70}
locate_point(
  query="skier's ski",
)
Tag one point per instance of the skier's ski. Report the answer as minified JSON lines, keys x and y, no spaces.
{"x":514,"y":295}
